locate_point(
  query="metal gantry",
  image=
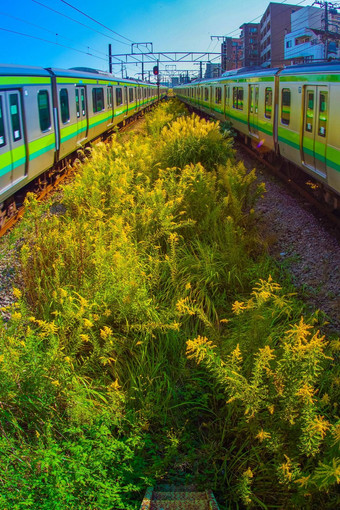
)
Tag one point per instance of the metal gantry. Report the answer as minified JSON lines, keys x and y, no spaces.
{"x":164,"y":57}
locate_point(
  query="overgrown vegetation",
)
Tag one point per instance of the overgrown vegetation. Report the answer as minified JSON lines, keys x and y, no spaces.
{"x":151,"y":340}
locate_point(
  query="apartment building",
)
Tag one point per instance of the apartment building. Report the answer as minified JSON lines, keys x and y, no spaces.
{"x":308,"y":40}
{"x":231,"y":54}
{"x":250,"y":43}
{"x":275,"y":24}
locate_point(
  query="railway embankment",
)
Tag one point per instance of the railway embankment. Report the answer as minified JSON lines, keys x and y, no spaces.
{"x":152,"y":338}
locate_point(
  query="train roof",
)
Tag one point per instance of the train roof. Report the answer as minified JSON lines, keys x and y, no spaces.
{"x":321,"y":68}
{"x":15,"y":70}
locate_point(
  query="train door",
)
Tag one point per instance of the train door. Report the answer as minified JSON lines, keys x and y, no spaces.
{"x":12,"y":143}
{"x":226,"y":99}
{"x":315,"y":128}
{"x":126,"y":109}
{"x":109,"y":103}
{"x":253,"y":109}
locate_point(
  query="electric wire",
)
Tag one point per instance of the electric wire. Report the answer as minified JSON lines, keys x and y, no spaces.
{"x":80,"y":23}
{"x":51,"y":42}
{"x":47,"y":30}
{"x":98,"y":22}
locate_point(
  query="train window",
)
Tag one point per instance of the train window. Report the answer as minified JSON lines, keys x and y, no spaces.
{"x":130,"y":95}
{"x":125,"y":95}
{"x":206,"y":94}
{"x":2,"y":127}
{"x":285,"y":106}
{"x":82,"y":97}
{"x":218,"y":95}
{"x":14,"y":108}
{"x":238,"y":98}
{"x":64,"y":107}
{"x":322,"y":113}
{"x":44,"y":110}
{"x":227,"y":95}
{"x":268,"y":103}
{"x":98,"y":99}
{"x":310,"y":111}
{"x":119,"y":96}
{"x":77,"y":103}
{"x":109,"y":97}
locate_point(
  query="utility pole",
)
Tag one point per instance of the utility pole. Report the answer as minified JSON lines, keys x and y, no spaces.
{"x":327,"y":5}
{"x":110,"y":59}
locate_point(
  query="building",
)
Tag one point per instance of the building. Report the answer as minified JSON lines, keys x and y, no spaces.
{"x":308,"y":40}
{"x":250,"y":43}
{"x":231,"y":54}
{"x":275,"y":24}
{"x":212,"y":71}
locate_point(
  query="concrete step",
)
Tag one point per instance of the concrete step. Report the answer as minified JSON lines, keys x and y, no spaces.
{"x":177,"y":497}
{"x":158,"y":495}
{"x":189,"y":504}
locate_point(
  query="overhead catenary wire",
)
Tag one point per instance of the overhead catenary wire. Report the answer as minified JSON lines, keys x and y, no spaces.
{"x":51,"y":42}
{"x":98,"y":22}
{"x":80,"y":23}
{"x":47,"y":30}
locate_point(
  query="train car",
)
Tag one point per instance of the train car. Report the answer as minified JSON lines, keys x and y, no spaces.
{"x":46,"y":114}
{"x":27,"y":129}
{"x":292,"y":113}
{"x":308,"y":120}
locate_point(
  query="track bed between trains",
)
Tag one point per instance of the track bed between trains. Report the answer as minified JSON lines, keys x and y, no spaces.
{"x":302,"y":240}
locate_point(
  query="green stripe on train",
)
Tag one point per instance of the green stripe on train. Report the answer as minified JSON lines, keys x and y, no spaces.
{"x":24,"y":80}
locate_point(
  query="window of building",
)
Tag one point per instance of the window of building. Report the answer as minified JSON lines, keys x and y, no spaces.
{"x":218,"y":95}
{"x":77,"y":103}
{"x":98,"y":99}
{"x":285,"y":106}
{"x":130,"y":95}
{"x":64,"y":107}
{"x":2,"y":126}
{"x":323,"y":98}
{"x":289,"y":44}
{"x":206,"y":94}
{"x":109,"y":97}
{"x":44,"y":110}
{"x":268,"y":103}
{"x":119,"y":96}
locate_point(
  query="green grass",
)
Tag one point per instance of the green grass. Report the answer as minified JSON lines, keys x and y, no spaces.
{"x":100,"y":394}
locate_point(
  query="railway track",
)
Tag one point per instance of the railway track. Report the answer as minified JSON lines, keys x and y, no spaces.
{"x":47,"y":183}
{"x":305,"y":191}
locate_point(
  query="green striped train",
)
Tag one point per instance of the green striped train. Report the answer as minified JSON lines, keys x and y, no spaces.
{"x":46,"y":114}
{"x":292,"y":112}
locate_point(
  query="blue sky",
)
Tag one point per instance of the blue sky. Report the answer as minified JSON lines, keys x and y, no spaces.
{"x":172,"y":25}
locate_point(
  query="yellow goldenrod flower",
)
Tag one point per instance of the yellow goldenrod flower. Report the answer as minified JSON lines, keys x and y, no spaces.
{"x":319,"y":426}
{"x":248,"y":473}
{"x":115,"y":385}
{"x":306,"y":392}
{"x":105,"y":332}
{"x":262,"y":435}
{"x":238,"y":307}
{"x":17,"y":293}
{"x":88,"y":323}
